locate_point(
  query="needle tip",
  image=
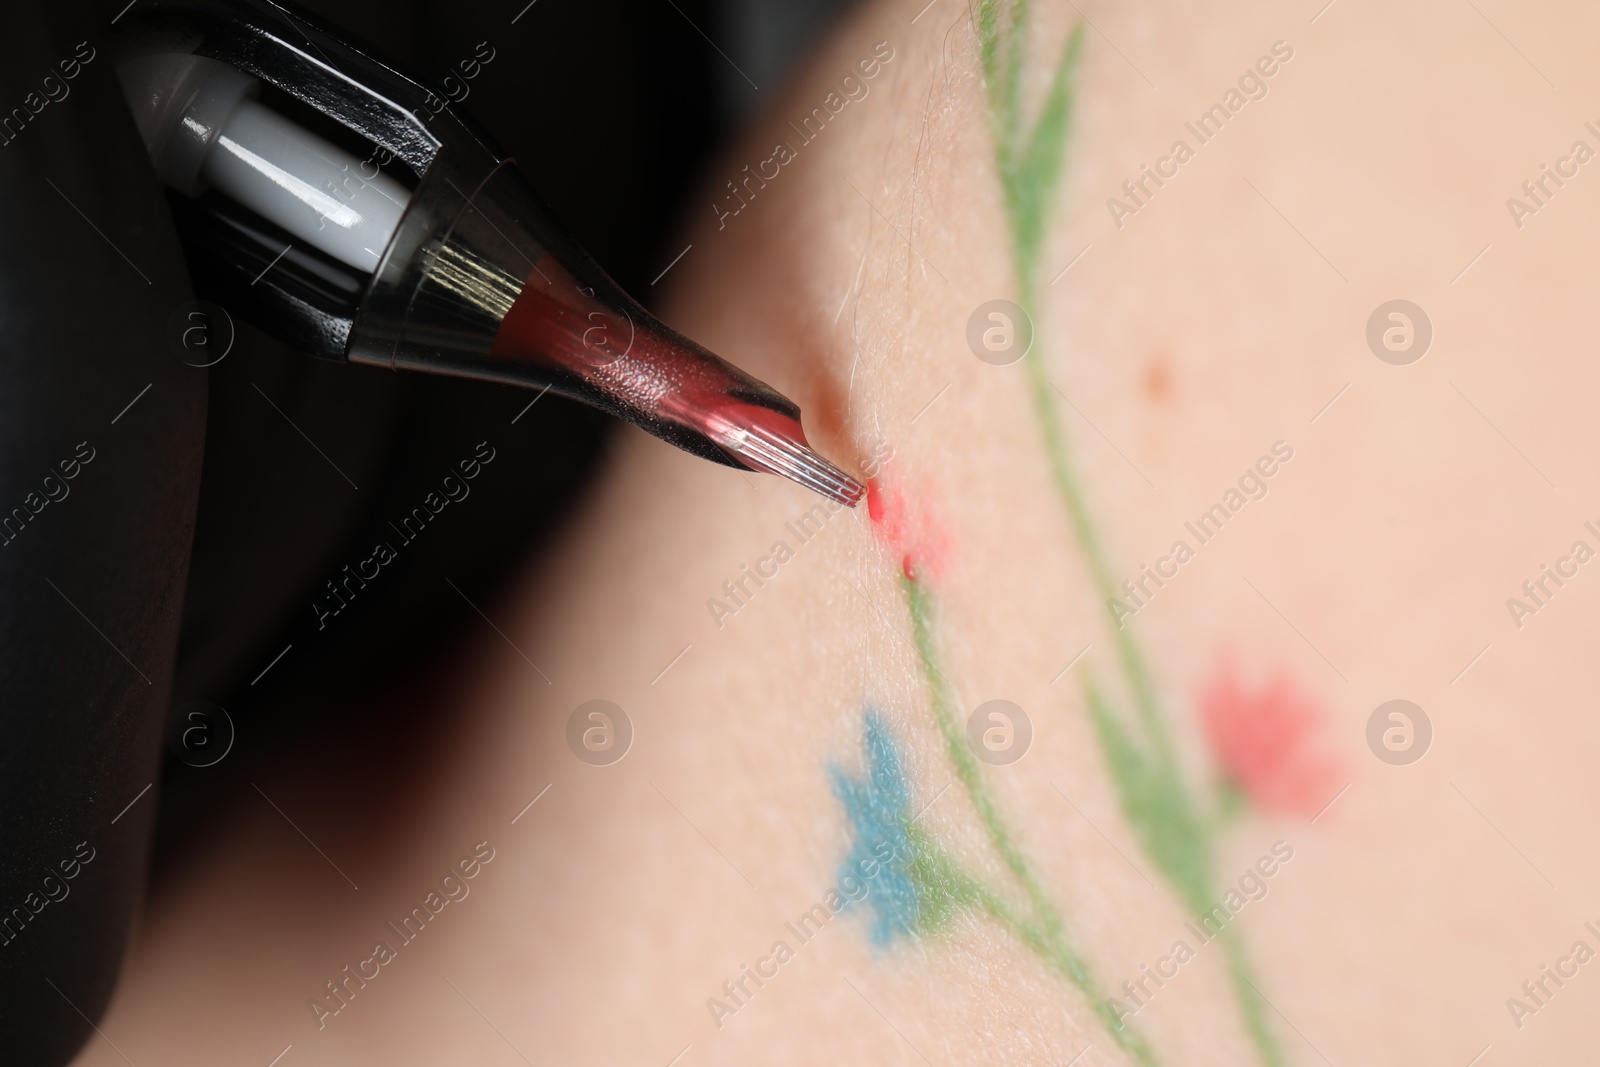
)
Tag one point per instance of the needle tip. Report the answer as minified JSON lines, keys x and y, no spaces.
{"x":763,"y":449}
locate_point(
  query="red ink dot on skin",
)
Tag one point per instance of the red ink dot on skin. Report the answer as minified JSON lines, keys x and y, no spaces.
{"x":907,"y":528}
{"x":1269,"y":742}
{"x":874,"y":500}
{"x":891,"y":529}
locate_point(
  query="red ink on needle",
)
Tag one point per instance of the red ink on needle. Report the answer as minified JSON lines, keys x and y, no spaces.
{"x":633,"y":366}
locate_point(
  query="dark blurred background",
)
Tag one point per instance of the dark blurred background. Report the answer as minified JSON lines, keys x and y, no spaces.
{"x":114,"y":628}
{"x":614,"y":108}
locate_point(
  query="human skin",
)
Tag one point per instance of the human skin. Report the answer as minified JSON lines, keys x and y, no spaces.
{"x":1221,"y":318}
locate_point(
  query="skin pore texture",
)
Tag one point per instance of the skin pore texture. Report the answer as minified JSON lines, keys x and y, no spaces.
{"x":803,"y":858}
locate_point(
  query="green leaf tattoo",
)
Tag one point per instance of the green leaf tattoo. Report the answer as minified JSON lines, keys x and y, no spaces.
{"x":918,"y":888}
{"x":1151,"y":786}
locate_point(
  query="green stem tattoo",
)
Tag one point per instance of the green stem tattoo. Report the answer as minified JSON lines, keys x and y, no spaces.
{"x":1042,"y":930}
{"x":1150,"y":782}
{"x":919,"y":886}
